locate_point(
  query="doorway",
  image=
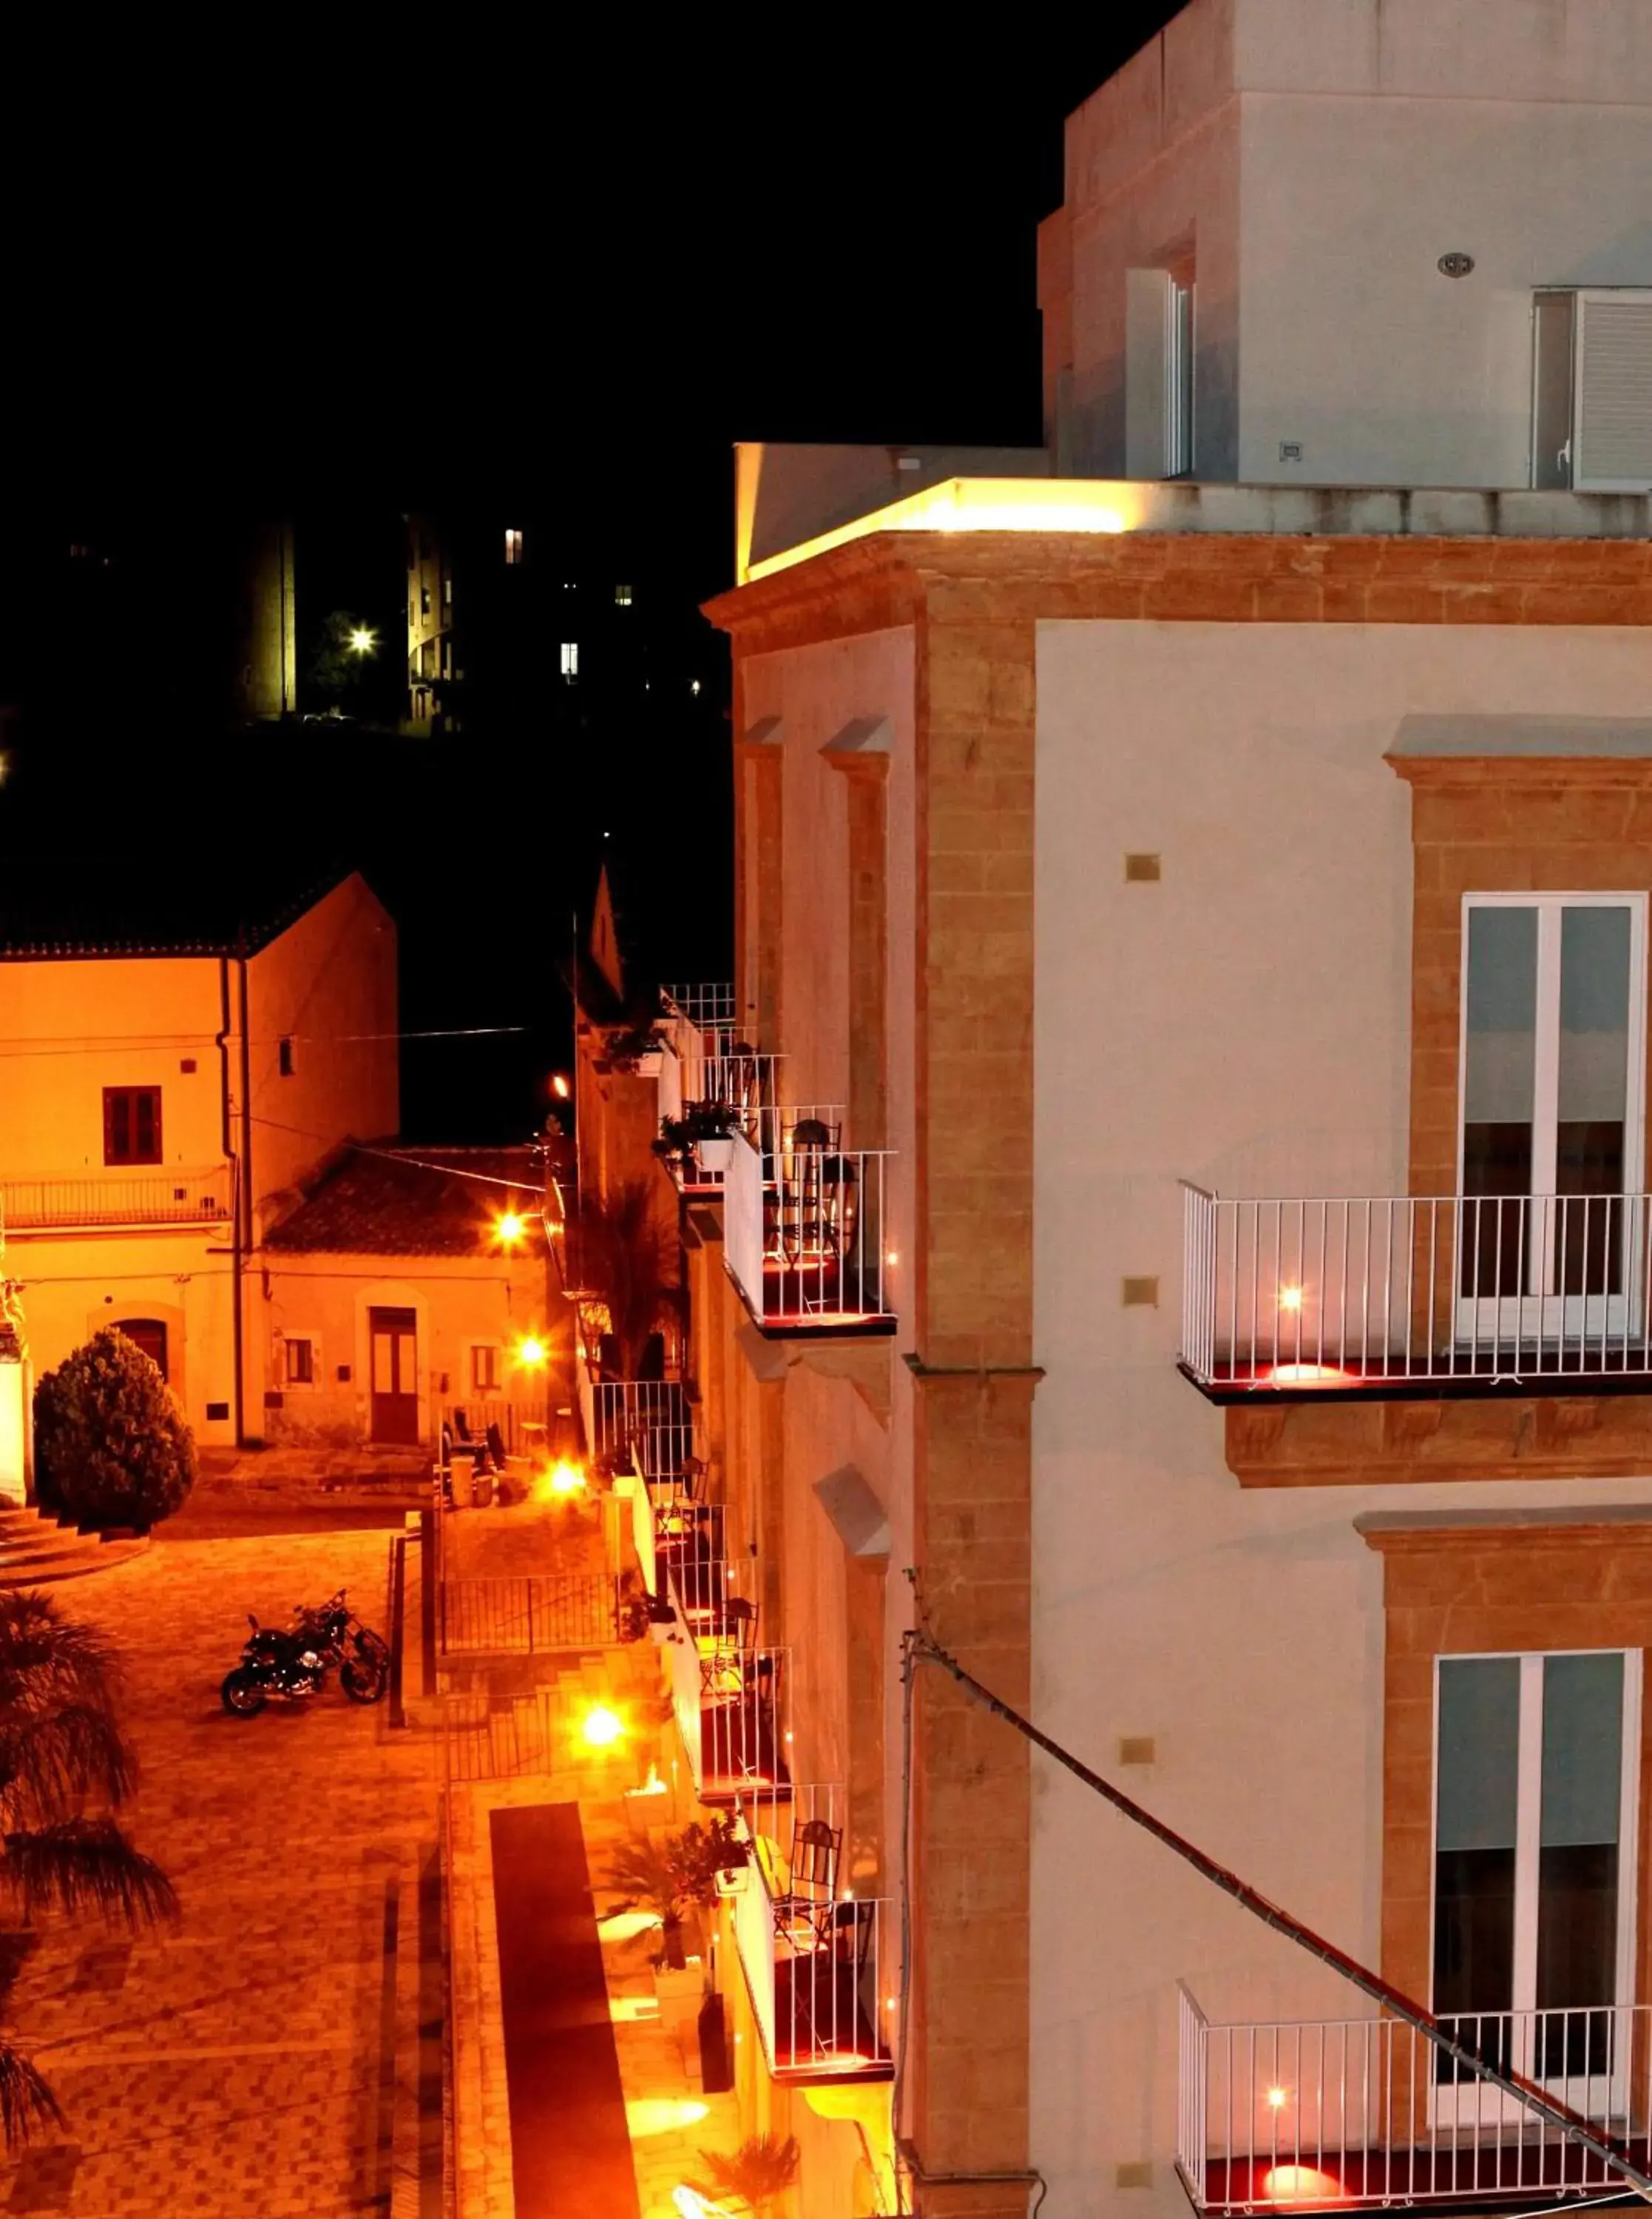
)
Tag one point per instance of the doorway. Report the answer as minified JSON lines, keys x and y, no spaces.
{"x":394,"y":1417}
{"x":148,"y":1334}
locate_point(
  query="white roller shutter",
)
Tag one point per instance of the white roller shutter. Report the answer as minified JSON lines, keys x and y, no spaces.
{"x":1612,"y":449}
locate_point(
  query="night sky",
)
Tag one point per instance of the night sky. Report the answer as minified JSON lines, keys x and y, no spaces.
{"x":501,"y":278}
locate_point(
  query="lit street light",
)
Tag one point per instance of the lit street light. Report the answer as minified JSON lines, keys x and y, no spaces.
{"x":362,"y":641}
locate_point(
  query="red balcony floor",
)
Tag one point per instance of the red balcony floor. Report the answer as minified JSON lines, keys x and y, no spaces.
{"x":1477,"y":2176}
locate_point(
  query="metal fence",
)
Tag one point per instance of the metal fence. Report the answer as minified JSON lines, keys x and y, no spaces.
{"x":494,"y":1617}
{"x":1364,"y":1289}
{"x":525,"y":1427}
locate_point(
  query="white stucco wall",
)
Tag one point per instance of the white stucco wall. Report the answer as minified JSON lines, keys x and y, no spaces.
{"x":1243,"y":1022}
{"x":1320,"y":156}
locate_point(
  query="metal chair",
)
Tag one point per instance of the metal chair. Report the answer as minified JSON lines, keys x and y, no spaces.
{"x":730,"y":1640}
{"x":804,"y":1914}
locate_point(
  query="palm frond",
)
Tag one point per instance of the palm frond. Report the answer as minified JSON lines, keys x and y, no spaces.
{"x":47,"y":1658}
{"x":758,"y":2173}
{"x":51,"y":1761}
{"x":84,"y":1864}
{"x":26,"y":2101}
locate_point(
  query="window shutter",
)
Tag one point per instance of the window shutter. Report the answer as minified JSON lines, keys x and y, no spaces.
{"x":1613,"y":449}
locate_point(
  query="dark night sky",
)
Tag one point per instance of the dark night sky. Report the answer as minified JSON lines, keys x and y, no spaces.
{"x":537,"y":274}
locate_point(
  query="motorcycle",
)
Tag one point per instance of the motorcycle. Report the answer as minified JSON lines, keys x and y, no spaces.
{"x":293,"y":1662}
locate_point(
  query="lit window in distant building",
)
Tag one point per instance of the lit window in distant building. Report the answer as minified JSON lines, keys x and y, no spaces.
{"x":301,"y":1363}
{"x":78,"y":551}
{"x":447,"y":592}
{"x":512,"y":546}
{"x":132,"y":1125}
{"x":484,"y":1370}
{"x":423,"y":600}
{"x":570,"y":655}
{"x":693,"y":686}
{"x":622,"y":597}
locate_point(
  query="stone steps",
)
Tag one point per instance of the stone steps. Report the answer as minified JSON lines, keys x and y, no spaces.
{"x":35,"y":1549}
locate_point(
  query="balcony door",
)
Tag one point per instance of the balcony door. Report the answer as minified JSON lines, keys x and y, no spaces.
{"x":1536,"y":1774}
{"x":1551,"y":1147}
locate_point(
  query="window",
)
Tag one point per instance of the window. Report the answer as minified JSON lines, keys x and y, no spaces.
{"x":149,"y":1335}
{"x":423,"y":600}
{"x":570,"y":658}
{"x":301,"y":1361}
{"x":132,"y":1125}
{"x":512,"y":547}
{"x":1592,"y":389}
{"x":1553,"y":1000}
{"x":447,"y":592}
{"x":1159,"y":342}
{"x":286,"y":1058}
{"x":1534,"y":1820}
{"x":622,"y":597}
{"x":1179,"y":376}
{"x":484,"y":1368}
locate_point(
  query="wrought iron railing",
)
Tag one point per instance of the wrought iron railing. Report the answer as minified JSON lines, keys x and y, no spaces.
{"x":184,"y":1197}
{"x":804,"y":1231}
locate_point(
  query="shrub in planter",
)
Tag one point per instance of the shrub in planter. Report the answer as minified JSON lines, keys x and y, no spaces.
{"x":111,"y":1444}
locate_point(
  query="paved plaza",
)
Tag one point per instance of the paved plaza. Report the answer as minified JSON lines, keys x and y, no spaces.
{"x":244,"y":2061}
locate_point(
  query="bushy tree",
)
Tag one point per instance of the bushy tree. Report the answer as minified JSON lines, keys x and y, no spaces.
{"x":111,"y":1446}
{"x":63,"y":1767}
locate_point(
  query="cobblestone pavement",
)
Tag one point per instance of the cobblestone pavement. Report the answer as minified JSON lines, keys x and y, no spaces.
{"x":243,"y":2062}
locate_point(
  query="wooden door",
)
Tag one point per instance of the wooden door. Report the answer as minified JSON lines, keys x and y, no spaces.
{"x":150,"y":1335}
{"x":394,"y":1377}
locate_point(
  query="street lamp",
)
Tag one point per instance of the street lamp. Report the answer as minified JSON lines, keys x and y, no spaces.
{"x":362,"y":641}
{"x":511,"y":1228}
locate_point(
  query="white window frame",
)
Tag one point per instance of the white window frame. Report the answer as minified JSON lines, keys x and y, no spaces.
{"x":568,"y":658}
{"x":497,"y":1391}
{"x":1474,"y":2102}
{"x":288,"y":1385}
{"x":1487,"y":1318}
{"x":513,"y":545}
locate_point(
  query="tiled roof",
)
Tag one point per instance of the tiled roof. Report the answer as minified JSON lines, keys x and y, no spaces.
{"x":136,"y":906}
{"x":417,"y":1201}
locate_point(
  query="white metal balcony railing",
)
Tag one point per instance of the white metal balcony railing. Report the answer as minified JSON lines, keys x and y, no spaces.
{"x":820,"y":1963}
{"x":647,"y":1420}
{"x":1367,"y":1291}
{"x":703,"y":1005}
{"x":1331,"y":2112}
{"x":728,"y":1697}
{"x":195,"y":1196}
{"x":803,"y":1231}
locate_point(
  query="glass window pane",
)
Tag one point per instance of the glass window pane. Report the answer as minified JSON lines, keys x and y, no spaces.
{"x":1501,"y":1016}
{"x":1593,"y":1051}
{"x":1583,"y":1749}
{"x":1479,"y":1752}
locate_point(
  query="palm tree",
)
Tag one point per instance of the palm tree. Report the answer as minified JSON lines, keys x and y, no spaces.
{"x":618,"y":1255}
{"x":759,"y":2173}
{"x":64,"y":1767}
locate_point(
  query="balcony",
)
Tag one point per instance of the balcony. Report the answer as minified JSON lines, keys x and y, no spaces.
{"x":1341,"y":2113}
{"x":820,"y":1964}
{"x":101,"y":1201}
{"x":728,"y":1696}
{"x":1402,"y":1295}
{"x":707,"y":1007}
{"x":803,"y":1230}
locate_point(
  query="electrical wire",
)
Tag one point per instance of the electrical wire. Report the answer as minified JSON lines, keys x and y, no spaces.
{"x":1533,"y":2097}
{"x":105,"y":1043}
{"x":396,"y":1156}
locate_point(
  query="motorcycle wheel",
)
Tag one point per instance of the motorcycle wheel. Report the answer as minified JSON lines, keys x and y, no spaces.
{"x":242,"y":1696}
{"x":363,"y":1683}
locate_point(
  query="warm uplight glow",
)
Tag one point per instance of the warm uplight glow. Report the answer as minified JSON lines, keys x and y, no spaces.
{"x":1276,"y":2099}
{"x":559,"y":1086}
{"x":1304,"y":1375}
{"x":626,"y":1925}
{"x":1300,"y":2184}
{"x":510,"y":1227}
{"x":1290,"y":1298}
{"x":662,"y":2115}
{"x":362,"y":641}
{"x":565,"y":1479}
{"x":600,"y":1728}
{"x":985,"y":505}
{"x":692,"y":2205}
{"x":891,"y":1258}
{"x":530,"y":1351}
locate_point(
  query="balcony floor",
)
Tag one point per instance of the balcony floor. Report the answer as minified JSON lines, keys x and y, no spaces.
{"x":1460,"y":1373}
{"x":1480,"y":2177}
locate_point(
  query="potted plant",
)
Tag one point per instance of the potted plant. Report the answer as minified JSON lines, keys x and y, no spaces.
{"x":760,"y":2175}
{"x":638,"y":1049}
{"x":704,"y":1133}
{"x":676,"y":1874}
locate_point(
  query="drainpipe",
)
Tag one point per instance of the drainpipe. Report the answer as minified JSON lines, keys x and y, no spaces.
{"x":248,"y":1231}
{"x":235,"y":1191}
